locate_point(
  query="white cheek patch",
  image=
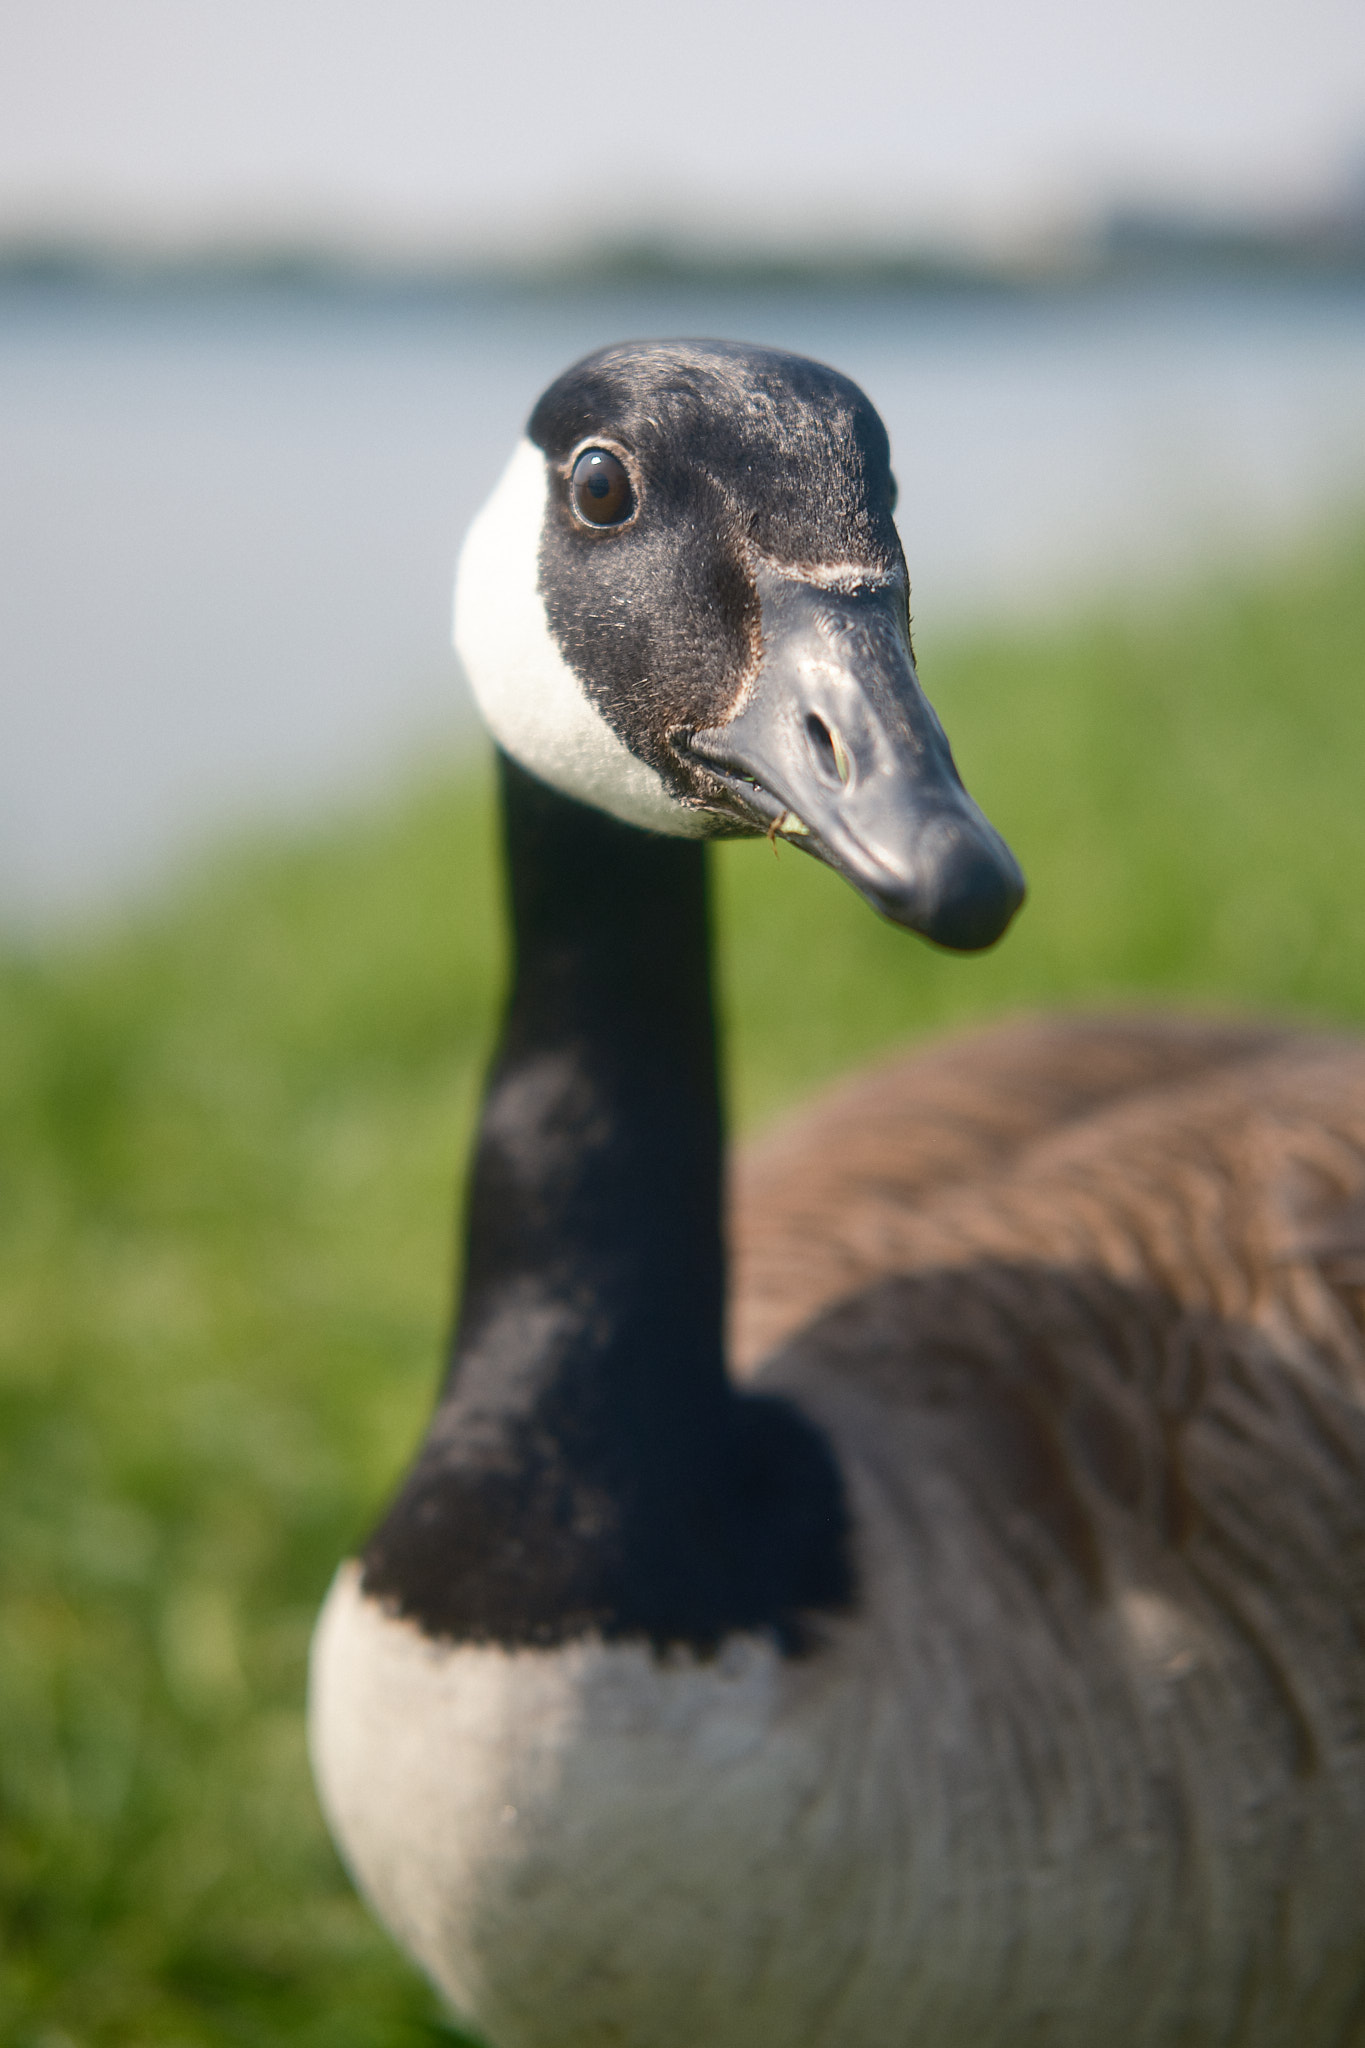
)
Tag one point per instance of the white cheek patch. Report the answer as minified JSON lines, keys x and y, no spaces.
{"x":533,"y":703}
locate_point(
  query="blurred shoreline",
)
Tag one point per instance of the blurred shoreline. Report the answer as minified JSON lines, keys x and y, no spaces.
{"x":231,"y":493}
{"x":1125,"y":245}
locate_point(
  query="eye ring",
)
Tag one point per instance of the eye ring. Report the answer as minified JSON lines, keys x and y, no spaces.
{"x":601,"y":491}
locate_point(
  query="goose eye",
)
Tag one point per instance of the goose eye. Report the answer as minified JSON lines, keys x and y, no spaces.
{"x":600,"y":488}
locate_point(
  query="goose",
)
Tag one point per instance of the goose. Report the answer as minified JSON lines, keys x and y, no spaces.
{"x":977,"y":1654}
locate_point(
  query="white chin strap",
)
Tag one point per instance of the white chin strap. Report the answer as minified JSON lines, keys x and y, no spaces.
{"x":533,"y":703}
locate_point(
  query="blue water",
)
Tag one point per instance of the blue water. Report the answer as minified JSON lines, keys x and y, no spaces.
{"x":227,"y":518}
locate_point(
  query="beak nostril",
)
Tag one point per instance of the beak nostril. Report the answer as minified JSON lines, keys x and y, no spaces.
{"x":828,"y":750}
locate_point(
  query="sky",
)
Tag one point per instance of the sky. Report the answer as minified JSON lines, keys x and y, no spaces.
{"x":442,"y":127}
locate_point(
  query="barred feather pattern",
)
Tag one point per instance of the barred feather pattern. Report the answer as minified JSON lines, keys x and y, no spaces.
{"x":1083,"y":1305}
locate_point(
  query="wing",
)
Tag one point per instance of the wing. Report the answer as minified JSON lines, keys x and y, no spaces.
{"x":819,"y":1206}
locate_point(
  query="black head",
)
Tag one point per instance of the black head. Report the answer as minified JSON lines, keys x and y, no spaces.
{"x":687,"y":603}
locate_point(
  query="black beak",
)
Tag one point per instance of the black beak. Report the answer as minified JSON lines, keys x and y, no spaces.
{"x":835,"y":746}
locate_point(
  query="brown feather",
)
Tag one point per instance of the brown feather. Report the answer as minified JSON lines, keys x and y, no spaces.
{"x":1087,"y":1299}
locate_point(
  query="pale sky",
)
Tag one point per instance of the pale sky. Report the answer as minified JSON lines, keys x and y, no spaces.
{"x":439,"y":124}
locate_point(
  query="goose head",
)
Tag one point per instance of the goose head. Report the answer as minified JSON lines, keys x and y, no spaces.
{"x":686,"y":603}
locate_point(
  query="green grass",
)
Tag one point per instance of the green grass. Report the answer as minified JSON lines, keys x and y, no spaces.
{"x":232,"y":1141}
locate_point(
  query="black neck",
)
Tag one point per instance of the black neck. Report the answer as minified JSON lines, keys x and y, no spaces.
{"x":595,"y":1202}
{"x":588,"y":1466}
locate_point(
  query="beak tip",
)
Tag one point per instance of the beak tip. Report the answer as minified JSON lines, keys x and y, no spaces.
{"x":974,"y":926}
{"x":965,"y":897}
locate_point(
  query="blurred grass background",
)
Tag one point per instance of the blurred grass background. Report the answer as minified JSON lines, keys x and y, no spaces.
{"x":233,"y":1135}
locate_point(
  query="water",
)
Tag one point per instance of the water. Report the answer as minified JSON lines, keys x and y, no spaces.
{"x":227,"y":518}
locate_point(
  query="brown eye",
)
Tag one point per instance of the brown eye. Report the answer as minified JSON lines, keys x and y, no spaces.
{"x":600,"y":488}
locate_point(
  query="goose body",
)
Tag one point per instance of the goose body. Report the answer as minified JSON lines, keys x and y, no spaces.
{"x":980,"y":1658}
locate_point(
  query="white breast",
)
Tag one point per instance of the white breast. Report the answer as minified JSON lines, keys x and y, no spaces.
{"x":959,"y":1818}
{"x":571,"y":1832}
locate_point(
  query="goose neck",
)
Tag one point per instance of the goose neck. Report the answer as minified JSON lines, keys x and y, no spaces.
{"x":594,"y":1209}
{"x":589,"y":1469}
